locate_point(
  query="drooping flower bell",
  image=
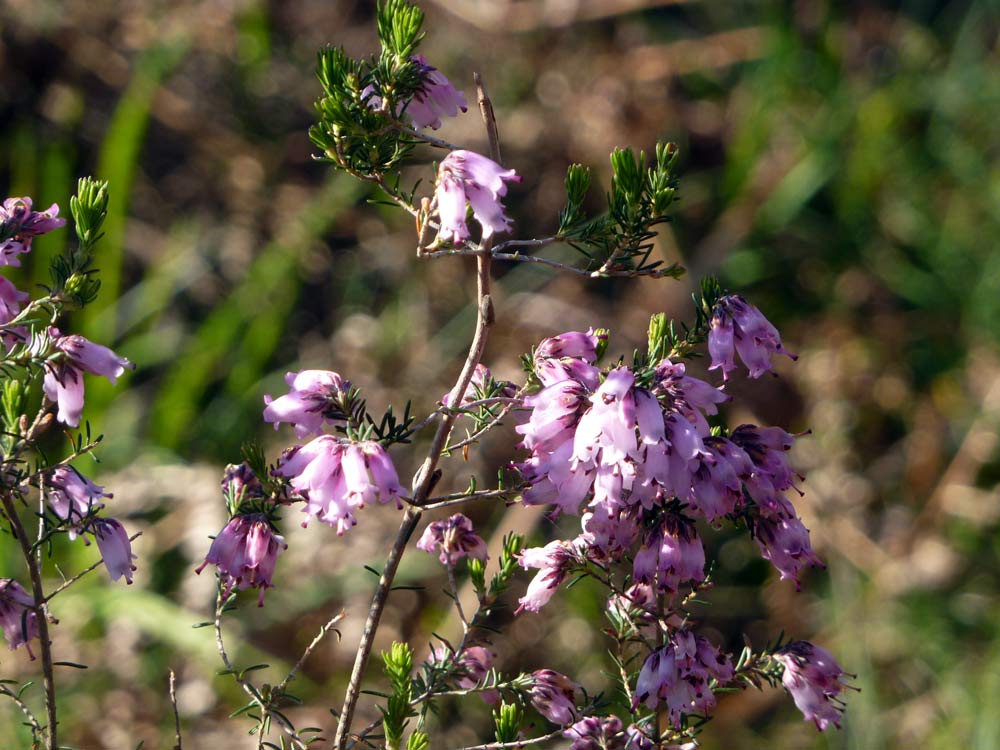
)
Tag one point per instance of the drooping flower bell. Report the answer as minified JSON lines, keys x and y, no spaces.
{"x":312,"y":401}
{"x":553,"y":561}
{"x":455,"y":538}
{"x":63,"y":382}
{"x":245,"y":552}
{"x":738,"y":326}
{"x":468,"y":176}
{"x":17,"y":614}
{"x":19,"y":224}
{"x":72,"y":496}
{"x":115,"y":548}
{"x":468,"y":668}
{"x":814,"y":679}
{"x":553,"y":695}
{"x":678,"y":676}
{"x":435,"y":97}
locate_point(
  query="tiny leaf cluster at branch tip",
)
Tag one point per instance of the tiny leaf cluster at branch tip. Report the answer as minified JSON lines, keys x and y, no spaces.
{"x":638,"y":448}
{"x":42,"y":374}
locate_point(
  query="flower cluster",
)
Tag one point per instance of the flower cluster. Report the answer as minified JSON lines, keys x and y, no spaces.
{"x":338,"y":477}
{"x":606,"y":733}
{"x":455,"y":538}
{"x":314,"y":400}
{"x":680,"y":675}
{"x":435,"y":97}
{"x":738,"y":325}
{"x":245,"y":552}
{"x":813,"y":678}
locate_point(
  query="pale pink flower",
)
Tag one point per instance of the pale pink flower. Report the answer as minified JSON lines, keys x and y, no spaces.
{"x":312,"y":401}
{"x":468,"y":176}
{"x":435,"y":97}
{"x":454,"y":538}
{"x":115,"y":548}
{"x":553,"y":561}
{"x":553,"y":695}
{"x":63,"y":382}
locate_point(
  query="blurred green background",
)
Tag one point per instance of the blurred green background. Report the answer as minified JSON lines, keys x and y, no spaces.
{"x":839,"y":168}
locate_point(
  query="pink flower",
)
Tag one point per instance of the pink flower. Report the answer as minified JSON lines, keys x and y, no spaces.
{"x":679,"y":675}
{"x":314,"y":399}
{"x":672,"y":554}
{"x":435,"y":97}
{"x":469,"y":668}
{"x":72,"y":496}
{"x":736,"y":324}
{"x":813,"y":677}
{"x":455,"y":538}
{"x":784,"y":540}
{"x":246,"y":552}
{"x":18,"y":618}
{"x":597,"y":733}
{"x":19,"y":223}
{"x":239,"y":483}
{"x":553,"y":561}
{"x":553,"y":695}
{"x":11,"y":299}
{"x":338,"y":477}
{"x":468,"y":176}
{"x":115,"y":548}
{"x":63,"y":382}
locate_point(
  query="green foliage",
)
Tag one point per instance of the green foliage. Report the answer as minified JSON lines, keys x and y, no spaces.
{"x":418,"y":741}
{"x":399,"y":27}
{"x":640,"y":195}
{"x":507,"y":720}
{"x":398,"y":664}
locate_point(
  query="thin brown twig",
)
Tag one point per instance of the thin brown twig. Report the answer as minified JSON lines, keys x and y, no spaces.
{"x":308,"y":652}
{"x":70,"y":581}
{"x":45,"y":644}
{"x":32,"y":719}
{"x":248,"y":688}
{"x":173,"y":705}
{"x":424,"y":478}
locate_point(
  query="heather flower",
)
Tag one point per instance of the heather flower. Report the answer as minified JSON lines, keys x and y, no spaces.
{"x":576,"y":344}
{"x":19,"y":224}
{"x":63,"y":382}
{"x":11,"y":299}
{"x":767,"y":448}
{"x":553,"y":561}
{"x":435,"y":97}
{"x":679,"y":676}
{"x":671,"y":555}
{"x":455,"y":538}
{"x":597,"y":733}
{"x":338,"y":477}
{"x":314,"y":399}
{"x":784,"y":541}
{"x":245,"y":552}
{"x":240,"y":483}
{"x":736,"y":324}
{"x":18,"y":618}
{"x":71,"y":496}
{"x":569,"y":356}
{"x":609,"y":426}
{"x":553,"y":695}
{"x":813,"y":677}
{"x":469,"y":668}
{"x":115,"y":548}
{"x":468,"y":176}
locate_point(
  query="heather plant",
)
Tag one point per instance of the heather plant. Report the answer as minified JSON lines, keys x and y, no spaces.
{"x":44,"y":493}
{"x":634,"y":445}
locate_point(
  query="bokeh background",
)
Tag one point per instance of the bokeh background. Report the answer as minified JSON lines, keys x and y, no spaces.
{"x":839,"y":167}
